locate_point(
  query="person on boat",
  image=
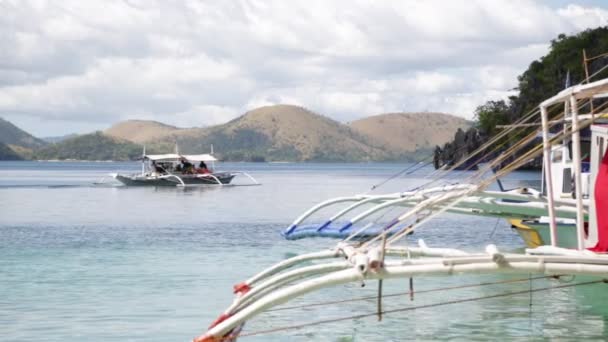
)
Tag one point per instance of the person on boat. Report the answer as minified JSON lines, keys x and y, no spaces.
{"x":157,"y":168}
{"x":202,"y":168}
{"x":187,"y":167}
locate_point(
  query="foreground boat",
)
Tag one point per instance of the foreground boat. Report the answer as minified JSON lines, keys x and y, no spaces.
{"x":179,"y":170}
{"x":378,"y":255}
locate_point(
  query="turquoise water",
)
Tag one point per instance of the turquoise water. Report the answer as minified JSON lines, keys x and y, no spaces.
{"x":109,"y":263}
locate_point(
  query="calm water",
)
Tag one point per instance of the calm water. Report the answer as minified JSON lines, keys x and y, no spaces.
{"x":110,"y":263}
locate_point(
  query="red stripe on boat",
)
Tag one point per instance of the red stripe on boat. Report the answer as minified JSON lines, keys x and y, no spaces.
{"x":601,"y":206}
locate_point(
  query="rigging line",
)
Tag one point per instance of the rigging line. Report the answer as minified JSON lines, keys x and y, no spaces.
{"x":494,"y":139}
{"x":494,"y":150}
{"x":481,"y":148}
{"x":420,"y":167}
{"x":398,"y":294}
{"x":498,"y":219}
{"x":453,"y":201}
{"x":404,"y":309}
{"x":539,"y":149}
{"x":513,"y":149}
{"x":569,"y":132}
{"x":521,"y":120}
{"x":375,"y":186}
{"x":536,"y":150}
{"x":484,"y":146}
{"x":595,"y":74}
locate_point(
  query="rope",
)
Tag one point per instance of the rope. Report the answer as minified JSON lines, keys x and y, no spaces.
{"x":404,"y":309}
{"x":398,"y":294}
{"x":403,"y":171}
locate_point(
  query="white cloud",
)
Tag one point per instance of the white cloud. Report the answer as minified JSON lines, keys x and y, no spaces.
{"x":90,"y":63}
{"x":582,"y":17}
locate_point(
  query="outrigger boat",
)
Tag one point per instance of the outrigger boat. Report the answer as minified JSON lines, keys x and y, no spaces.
{"x":179,"y":170}
{"x":370,"y":250}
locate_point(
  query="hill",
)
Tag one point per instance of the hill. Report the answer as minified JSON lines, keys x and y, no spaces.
{"x":56,"y":139}
{"x":13,"y":135}
{"x":17,"y":140}
{"x":94,"y":146}
{"x":403,"y":133}
{"x":281,"y":132}
{"x":6,"y":153}
{"x":271,"y":133}
{"x":140,"y":131}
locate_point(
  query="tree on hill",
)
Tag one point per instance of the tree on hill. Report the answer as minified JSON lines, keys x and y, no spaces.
{"x":13,"y":135}
{"x":6,"y":153}
{"x":95,"y":146}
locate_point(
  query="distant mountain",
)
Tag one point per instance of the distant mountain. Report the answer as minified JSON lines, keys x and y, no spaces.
{"x":17,"y":140}
{"x":94,"y":146}
{"x":53,"y":140}
{"x":271,"y":133}
{"x":280,"y":133}
{"x":13,"y":135}
{"x":6,"y":153}
{"x":141,"y":131}
{"x":403,"y":133}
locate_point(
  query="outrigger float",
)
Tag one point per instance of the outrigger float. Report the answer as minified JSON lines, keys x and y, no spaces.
{"x":180,"y":170}
{"x":371,"y":250}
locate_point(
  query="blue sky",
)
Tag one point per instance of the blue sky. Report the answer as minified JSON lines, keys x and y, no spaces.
{"x":78,"y":66}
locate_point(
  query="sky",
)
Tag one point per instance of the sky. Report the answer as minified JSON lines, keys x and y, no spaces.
{"x":80,"y":66}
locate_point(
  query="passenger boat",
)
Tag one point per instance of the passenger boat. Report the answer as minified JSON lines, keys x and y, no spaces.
{"x":378,"y":255}
{"x":179,"y":170}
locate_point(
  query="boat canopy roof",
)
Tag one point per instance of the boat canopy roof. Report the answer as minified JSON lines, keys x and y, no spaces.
{"x":582,"y":91}
{"x":173,"y":157}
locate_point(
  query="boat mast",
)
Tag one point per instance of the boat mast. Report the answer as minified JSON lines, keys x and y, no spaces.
{"x":585,"y":60}
{"x":548,"y":178}
{"x":143,"y":161}
{"x":212,"y":162}
{"x":576,"y":165}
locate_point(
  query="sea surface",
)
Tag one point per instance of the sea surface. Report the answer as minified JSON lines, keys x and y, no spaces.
{"x":83,"y":259}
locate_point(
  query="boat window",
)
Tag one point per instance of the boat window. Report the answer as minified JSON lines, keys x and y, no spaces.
{"x":585,"y":149}
{"x":567,"y":181}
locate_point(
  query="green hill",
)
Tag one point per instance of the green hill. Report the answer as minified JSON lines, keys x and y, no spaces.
{"x":13,"y":135}
{"x":282,"y":133}
{"x":94,"y":146}
{"x":402,"y":134}
{"x":141,"y":131}
{"x":20,"y":143}
{"x":6,"y":153}
{"x":271,"y":133}
{"x":293,"y":133}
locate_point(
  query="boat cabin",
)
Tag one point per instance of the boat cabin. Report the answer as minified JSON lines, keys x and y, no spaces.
{"x":562,"y":168}
{"x":177,"y":163}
